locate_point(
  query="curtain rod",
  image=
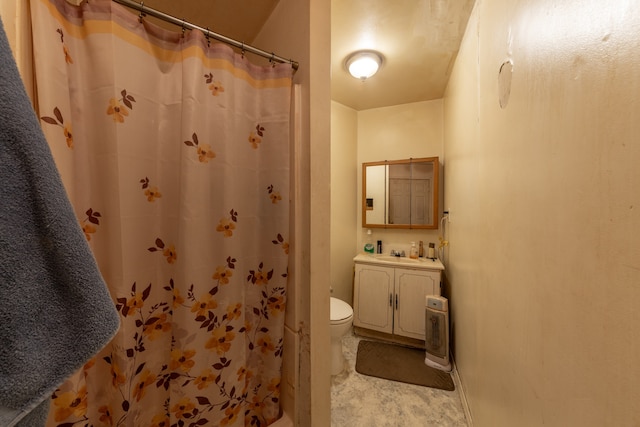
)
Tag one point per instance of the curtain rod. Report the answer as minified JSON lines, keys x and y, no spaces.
{"x":209,"y":34}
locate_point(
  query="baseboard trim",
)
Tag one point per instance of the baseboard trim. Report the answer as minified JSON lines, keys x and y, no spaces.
{"x":462,"y":393}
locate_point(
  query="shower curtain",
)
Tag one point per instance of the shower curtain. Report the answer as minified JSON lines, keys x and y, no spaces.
{"x":174,"y":151}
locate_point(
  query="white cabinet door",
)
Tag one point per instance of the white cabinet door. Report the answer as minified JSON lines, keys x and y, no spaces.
{"x":373,"y":293}
{"x":411,"y":287}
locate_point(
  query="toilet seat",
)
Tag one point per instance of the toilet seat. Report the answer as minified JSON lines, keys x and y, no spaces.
{"x":340,"y":311}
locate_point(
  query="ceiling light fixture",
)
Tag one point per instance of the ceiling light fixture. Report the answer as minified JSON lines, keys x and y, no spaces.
{"x":363,"y":64}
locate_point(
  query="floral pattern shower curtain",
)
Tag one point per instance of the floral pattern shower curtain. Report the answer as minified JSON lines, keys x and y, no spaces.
{"x":175,"y":153}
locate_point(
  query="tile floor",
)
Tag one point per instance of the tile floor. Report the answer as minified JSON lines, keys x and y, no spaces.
{"x":360,"y":400}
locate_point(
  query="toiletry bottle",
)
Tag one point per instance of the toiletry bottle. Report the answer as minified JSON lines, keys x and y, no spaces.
{"x":432,"y":251}
{"x":379,"y":246}
{"x":420,"y":250}
{"x":413,"y":254}
{"x":368,"y":246}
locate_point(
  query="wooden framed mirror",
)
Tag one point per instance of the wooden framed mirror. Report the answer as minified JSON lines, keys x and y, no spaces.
{"x":401,"y":193}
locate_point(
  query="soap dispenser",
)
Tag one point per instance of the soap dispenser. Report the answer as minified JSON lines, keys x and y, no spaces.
{"x":368,"y":246}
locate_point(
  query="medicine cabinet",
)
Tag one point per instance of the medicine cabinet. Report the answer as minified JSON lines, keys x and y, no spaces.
{"x":400,"y":193}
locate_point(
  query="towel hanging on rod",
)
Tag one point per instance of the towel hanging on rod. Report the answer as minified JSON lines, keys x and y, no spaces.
{"x":144,"y":10}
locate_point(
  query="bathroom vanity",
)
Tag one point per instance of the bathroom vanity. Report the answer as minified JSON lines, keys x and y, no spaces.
{"x":389,"y":296}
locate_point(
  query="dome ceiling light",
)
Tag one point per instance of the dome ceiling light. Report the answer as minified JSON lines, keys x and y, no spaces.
{"x":363,"y":64}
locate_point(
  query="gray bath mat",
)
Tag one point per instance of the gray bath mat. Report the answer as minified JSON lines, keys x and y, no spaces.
{"x":397,"y":363}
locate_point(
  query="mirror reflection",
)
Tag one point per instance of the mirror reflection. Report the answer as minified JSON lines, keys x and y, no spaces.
{"x":400,"y":193}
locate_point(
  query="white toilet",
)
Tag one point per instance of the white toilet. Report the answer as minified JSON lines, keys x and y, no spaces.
{"x":341,"y":320}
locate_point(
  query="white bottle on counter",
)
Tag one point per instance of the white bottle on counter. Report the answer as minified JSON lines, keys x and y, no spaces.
{"x":413,"y":253}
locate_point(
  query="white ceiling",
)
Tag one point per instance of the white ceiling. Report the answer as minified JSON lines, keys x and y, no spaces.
{"x":419,"y":40}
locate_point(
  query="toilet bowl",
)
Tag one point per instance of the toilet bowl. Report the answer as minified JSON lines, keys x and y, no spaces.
{"x":341,"y":320}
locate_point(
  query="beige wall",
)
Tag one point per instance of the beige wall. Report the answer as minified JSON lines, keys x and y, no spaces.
{"x":344,"y":199}
{"x":544,"y":259}
{"x":393,"y":133}
{"x":390,"y":133}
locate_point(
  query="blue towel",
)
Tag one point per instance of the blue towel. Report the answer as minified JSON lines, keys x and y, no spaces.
{"x":55,"y":310}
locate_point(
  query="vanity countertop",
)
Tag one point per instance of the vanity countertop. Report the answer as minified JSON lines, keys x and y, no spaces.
{"x":406,"y":262}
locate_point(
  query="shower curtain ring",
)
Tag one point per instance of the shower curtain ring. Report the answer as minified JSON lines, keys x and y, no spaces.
{"x":142,"y":14}
{"x":272,"y":59}
{"x":183,"y":28}
{"x":242,"y":50}
{"x":207,"y":36}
